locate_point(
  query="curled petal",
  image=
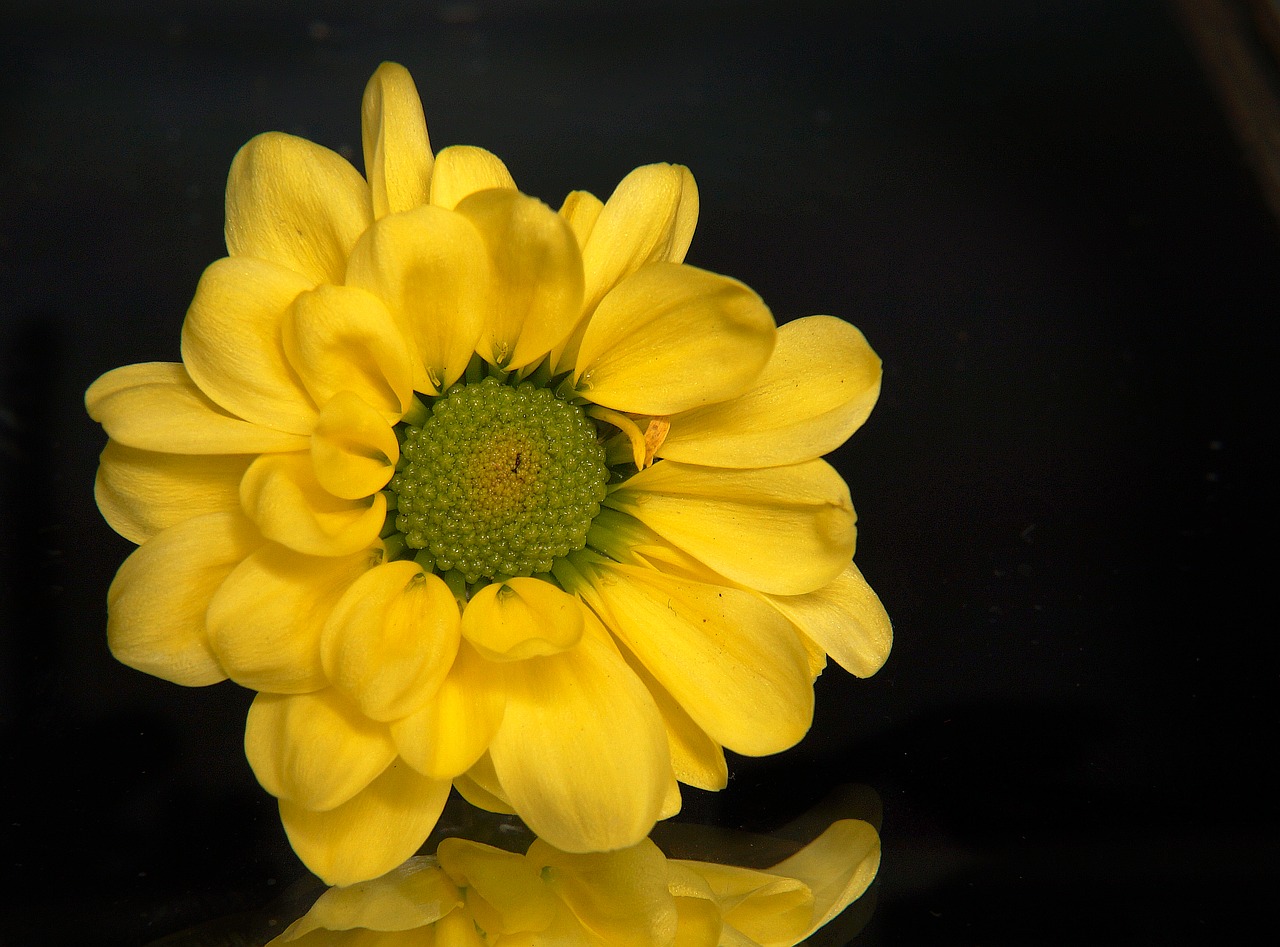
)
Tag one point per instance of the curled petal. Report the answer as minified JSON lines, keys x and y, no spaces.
{"x":353,"y":449}
{"x":765,"y":908}
{"x":521,"y":618}
{"x":397,"y":151}
{"x":142,"y":492}
{"x":649,"y":345}
{"x":296,"y":204}
{"x":845,"y":618}
{"x":232,"y":343}
{"x":431,"y":269}
{"x":156,"y":605}
{"x":371,"y":833}
{"x":462,"y":170}
{"x":581,"y":210}
{"x":391,"y":639}
{"x":156,"y":406}
{"x":537,"y":276}
{"x":281,"y":494}
{"x":838,"y":867}
{"x":341,"y":338}
{"x":816,"y":390}
{"x":784,"y":530}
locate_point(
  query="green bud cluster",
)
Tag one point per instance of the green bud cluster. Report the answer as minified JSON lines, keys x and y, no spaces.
{"x":498,"y":481}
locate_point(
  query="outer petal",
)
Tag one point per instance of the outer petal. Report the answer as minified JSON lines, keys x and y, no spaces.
{"x":397,"y":151}
{"x":521,"y":618}
{"x":785,"y":530}
{"x":581,"y":210}
{"x":353,"y":449}
{"x":340,"y":338}
{"x":281,"y":494}
{"x":391,"y":639}
{"x":537,"y":276}
{"x":738,"y":671}
{"x":462,"y":170}
{"x":373,"y":832}
{"x":649,"y":218}
{"x":315,"y":750}
{"x":838,"y":867}
{"x":156,"y":406}
{"x":232,"y":343}
{"x":430,"y":267}
{"x":817,"y":389}
{"x":142,"y":492}
{"x":415,"y":894}
{"x":156,"y":605}
{"x":845,"y":618}
{"x":266,"y":619}
{"x":582,"y":752}
{"x":671,"y":337}
{"x":297,"y":204}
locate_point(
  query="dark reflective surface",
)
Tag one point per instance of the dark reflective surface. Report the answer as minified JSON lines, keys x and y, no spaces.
{"x":1037,"y":215}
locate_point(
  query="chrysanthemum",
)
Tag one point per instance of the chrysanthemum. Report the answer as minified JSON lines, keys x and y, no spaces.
{"x":474,"y":894}
{"x":479,"y":494}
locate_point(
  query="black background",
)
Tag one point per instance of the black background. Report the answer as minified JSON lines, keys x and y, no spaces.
{"x":1039,"y":217}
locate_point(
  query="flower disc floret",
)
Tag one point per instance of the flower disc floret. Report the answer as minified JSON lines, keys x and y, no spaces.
{"x":499,"y":481}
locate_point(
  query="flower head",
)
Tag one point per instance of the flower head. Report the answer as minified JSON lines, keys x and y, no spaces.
{"x":479,"y":494}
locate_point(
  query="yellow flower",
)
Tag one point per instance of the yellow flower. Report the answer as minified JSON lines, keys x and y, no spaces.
{"x":473,"y":894}
{"x":478,"y":494}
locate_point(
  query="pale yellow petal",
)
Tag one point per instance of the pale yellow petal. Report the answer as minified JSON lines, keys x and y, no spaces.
{"x":266,"y":619}
{"x":431,"y":270}
{"x":784,"y":530}
{"x":281,"y":494}
{"x":505,"y":892}
{"x":479,"y":786}
{"x":649,"y":218}
{"x":837,"y":867}
{"x":156,"y":406}
{"x":581,"y":210}
{"x":670,"y":337}
{"x":537,"y":276}
{"x":698,"y":923}
{"x":342,"y":338}
{"x":370,"y":834}
{"x":391,"y":639}
{"x":582,"y":751}
{"x":451,"y":731}
{"x":521,"y":618}
{"x":845,"y":618}
{"x":232,"y":343}
{"x":296,"y":204}
{"x":397,"y":151}
{"x":156,"y":605}
{"x":817,"y":389}
{"x":412,"y":895}
{"x":142,"y":492}
{"x":731,"y":661}
{"x":462,"y":170}
{"x":353,"y":449}
{"x":764,"y":908}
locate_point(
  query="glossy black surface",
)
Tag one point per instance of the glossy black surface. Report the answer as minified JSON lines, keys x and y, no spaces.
{"x":1039,"y":218}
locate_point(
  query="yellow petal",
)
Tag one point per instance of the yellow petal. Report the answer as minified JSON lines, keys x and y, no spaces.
{"x":581,"y":210}
{"x":723,"y":654}
{"x":294,"y":203}
{"x":837,"y":867}
{"x":521,"y":618}
{"x":785,"y":530}
{"x":341,"y":338}
{"x":430,"y":267}
{"x":266,"y":619}
{"x":845,"y":618}
{"x":763,"y":907}
{"x":156,"y":406}
{"x":582,"y":752}
{"x":156,"y":605}
{"x":671,"y":337}
{"x":353,"y":449}
{"x":451,"y":731}
{"x":142,"y":492}
{"x":479,"y":786}
{"x":397,"y":151}
{"x":505,"y":893}
{"x":281,"y":494}
{"x":537,"y":276}
{"x":414,"y":894}
{"x":391,"y":639}
{"x":462,"y":170}
{"x":232,"y":343}
{"x":649,"y":218}
{"x":370,"y":834}
{"x":816,"y":390}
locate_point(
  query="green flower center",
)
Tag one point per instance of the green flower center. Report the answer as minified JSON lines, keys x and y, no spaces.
{"x":498,"y":481}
